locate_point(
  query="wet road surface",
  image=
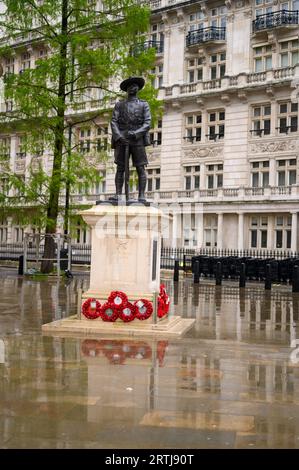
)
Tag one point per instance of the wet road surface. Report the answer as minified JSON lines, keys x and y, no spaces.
{"x":231,"y":382}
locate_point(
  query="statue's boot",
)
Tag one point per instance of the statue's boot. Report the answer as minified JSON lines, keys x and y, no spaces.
{"x":141,"y":186}
{"x":119,"y":181}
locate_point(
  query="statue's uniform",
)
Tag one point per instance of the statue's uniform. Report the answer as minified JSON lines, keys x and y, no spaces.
{"x":131,"y":115}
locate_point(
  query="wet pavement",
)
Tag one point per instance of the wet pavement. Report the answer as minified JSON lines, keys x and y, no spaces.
{"x":231,"y":382}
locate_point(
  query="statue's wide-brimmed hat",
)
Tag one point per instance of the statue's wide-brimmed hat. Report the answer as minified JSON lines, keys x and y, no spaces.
{"x":129,"y":81}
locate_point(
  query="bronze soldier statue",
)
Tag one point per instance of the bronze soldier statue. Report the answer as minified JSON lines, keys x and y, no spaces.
{"x":131,"y":121}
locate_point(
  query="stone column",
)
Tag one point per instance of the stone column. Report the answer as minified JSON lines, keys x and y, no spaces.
{"x":203,"y":184}
{"x":199,"y":229}
{"x":174,"y":231}
{"x":241,"y":231}
{"x":271,"y":232}
{"x":220,"y":232}
{"x":294,"y":231}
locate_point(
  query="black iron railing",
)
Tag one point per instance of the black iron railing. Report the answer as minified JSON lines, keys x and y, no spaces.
{"x":275,"y":19}
{"x":81,"y":254}
{"x":204,"y":35}
{"x":141,"y":47}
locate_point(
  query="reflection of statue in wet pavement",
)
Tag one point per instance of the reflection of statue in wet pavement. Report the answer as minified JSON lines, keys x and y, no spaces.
{"x":130,"y":124}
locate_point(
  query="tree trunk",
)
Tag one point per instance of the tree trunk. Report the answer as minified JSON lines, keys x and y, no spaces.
{"x":53,"y":205}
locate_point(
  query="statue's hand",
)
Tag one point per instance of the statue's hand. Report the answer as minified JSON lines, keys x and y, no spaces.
{"x":131,"y":135}
{"x":122,"y":141}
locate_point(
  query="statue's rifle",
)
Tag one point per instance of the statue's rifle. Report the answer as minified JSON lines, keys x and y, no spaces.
{"x":127,"y":172}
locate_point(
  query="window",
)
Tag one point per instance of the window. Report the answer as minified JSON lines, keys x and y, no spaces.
{"x":196,"y":21}
{"x":218,"y":17}
{"x":85,"y":140}
{"x":261,"y":120}
{"x":194,"y":70}
{"x":9,"y":65}
{"x":157,"y":36}
{"x":25,"y":61}
{"x":214,"y":175}
{"x":210,"y":231}
{"x":189,"y":231}
{"x":193,"y":123}
{"x":5,"y":148}
{"x":100,"y":186}
{"x":262,"y":57}
{"x":286,"y":172}
{"x":287,"y":117}
{"x":217,"y":65}
{"x":283,"y":231}
{"x":4,"y":188}
{"x":81,"y":232}
{"x":291,"y":5}
{"x":153,"y":179}
{"x":263,"y":7}
{"x":260,"y":174}
{"x":18,"y":234}
{"x":102,"y":138}
{"x":258,"y":232}
{"x":8,"y":105}
{"x":3,"y":230}
{"x":157,"y":80}
{"x":191,"y":177}
{"x":40,"y":55}
{"x":289,"y":53}
{"x":216,"y":125}
{"x":156,"y":134}
{"x":21,"y":147}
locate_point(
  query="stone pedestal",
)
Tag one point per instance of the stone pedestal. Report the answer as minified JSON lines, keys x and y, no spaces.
{"x":125,"y":256}
{"x":125,"y":250}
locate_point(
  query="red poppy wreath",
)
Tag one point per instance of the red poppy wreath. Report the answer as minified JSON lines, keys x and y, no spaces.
{"x":128,"y":312}
{"x":109,"y":312}
{"x":144,"y":309}
{"x":91,"y":309}
{"x":118,"y":299}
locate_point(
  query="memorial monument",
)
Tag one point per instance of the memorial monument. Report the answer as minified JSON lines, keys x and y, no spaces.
{"x":125,"y":295}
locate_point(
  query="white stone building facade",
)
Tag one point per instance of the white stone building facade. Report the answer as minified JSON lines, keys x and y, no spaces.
{"x":225,"y":155}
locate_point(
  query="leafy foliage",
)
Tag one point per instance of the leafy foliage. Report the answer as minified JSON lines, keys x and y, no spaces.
{"x":82,"y":50}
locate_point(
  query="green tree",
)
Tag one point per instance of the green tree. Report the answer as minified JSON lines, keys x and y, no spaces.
{"x":82,"y":44}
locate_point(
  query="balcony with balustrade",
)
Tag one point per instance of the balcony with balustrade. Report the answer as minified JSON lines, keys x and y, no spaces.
{"x":277,"y":19}
{"x":241,"y":81}
{"x":205,"y":35}
{"x":214,"y":195}
{"x":144,"y":46}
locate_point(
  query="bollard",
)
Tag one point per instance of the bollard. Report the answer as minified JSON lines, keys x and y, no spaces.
{"x":175,"y":294}
{"x":196,"y":272}
{"x":218,"y":274}
{"x":268,"y":280}
{"x":176,"y":271}
{"x":242,"y":279}
{"x":295,"y":279}
{"x":21,"y":265}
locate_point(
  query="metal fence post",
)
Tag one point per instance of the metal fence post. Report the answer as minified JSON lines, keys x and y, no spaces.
{"x":69,"y":251}
{"x":196,"y":272}
{"x":176,"y":272}
{"x":268,"y":280}
{"x":25,"y":253}
{"x":242,"y":280}
{"x":219,"y":274}
{"x":295,"y":279}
